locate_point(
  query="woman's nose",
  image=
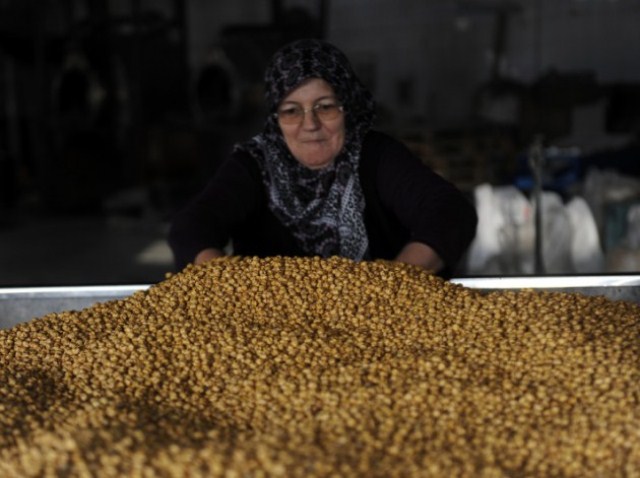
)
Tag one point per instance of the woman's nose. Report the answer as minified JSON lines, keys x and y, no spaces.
{"x":310,"y":120}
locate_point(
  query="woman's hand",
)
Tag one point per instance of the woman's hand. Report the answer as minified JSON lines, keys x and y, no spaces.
{"x":420,"y":254}
{"x":207,"y":254}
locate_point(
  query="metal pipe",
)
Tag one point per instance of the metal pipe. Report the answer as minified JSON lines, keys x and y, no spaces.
{"x":536,"y":162}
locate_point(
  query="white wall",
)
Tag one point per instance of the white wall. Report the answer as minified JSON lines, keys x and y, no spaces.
{"x":448,"y":52}
{"x":600,"y":34}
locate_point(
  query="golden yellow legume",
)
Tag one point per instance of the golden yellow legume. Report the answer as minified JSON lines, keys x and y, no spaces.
{"x":323,"y":367}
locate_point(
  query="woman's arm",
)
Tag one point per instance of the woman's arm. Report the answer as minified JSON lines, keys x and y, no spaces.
{"x":436,"y":214}
{"x":420,"y":254}
{"x":202,"y":229}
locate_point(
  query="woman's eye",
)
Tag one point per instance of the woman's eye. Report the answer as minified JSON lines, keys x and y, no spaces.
{"x":326,"y":106}
{"x":289,"y":112}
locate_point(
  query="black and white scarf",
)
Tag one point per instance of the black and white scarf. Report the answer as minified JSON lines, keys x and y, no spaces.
{"x":324,"y":209}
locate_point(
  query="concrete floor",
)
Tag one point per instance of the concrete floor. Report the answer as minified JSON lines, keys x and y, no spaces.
{"x":74,"y":250}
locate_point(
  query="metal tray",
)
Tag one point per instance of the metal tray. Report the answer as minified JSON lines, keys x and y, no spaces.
{"x":615,"y":287}
{"x":22,"y":304}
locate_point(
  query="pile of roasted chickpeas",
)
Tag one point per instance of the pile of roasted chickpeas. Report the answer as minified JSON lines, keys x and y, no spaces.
{"x":309,"y":367}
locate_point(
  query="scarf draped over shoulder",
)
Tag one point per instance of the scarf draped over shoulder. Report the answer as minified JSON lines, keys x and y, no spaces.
{"x":324,"y":208}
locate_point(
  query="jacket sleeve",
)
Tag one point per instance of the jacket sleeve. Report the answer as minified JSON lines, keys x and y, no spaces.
{"x":209,"y":219}
{"x":434,"y":211}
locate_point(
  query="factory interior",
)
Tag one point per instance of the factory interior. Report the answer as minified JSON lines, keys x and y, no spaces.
{"x":113,"y":113}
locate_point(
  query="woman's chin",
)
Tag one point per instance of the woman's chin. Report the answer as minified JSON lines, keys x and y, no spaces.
{"x":316,"y":162}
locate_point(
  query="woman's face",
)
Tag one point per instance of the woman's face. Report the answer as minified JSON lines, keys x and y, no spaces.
{"x":314,"y":142}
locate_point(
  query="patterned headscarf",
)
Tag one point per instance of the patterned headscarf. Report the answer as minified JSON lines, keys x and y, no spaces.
{"x":323,"y":208}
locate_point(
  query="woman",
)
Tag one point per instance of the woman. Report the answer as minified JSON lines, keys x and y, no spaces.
{"x":319,"y":181}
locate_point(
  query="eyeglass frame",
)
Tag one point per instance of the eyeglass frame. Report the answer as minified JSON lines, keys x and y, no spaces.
{"x":313,"y":109}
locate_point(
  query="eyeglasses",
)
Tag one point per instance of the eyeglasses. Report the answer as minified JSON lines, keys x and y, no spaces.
{"x":294,"y":114}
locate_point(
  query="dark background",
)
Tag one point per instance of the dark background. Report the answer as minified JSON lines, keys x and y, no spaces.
{"x":112,"y":113}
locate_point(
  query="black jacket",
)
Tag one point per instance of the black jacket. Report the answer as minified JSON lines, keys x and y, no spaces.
{"x":404,"y":201}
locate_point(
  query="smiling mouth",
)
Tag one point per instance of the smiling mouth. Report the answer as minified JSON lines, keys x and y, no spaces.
{"x":319,"y":140}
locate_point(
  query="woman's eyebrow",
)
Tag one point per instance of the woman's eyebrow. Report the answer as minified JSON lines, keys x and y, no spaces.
{"x":327,"y":97}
